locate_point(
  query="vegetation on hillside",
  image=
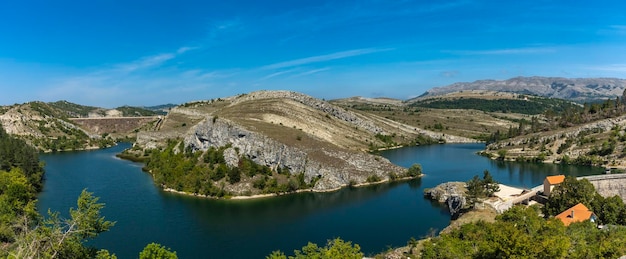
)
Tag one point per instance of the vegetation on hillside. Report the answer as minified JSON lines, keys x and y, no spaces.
{"x":530,"y":105}
{"x":206,"y":173}
{"x":129,"y":111}
{"x":49,"y":129}
{"x":73,"y":110}
{"x":521,"y":233}
{"x":558,"y":139}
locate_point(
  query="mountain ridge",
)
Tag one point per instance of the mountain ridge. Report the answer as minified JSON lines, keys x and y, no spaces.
{"x":575,"y":89}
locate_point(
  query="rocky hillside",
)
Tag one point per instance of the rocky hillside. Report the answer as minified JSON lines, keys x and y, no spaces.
{"x":47,"y":128}
{"x":601,"y":143}
{"x":448,"y":119}
{"x":282,"y":129}
{"x":576,"y":89}
{"x":54,"y":127}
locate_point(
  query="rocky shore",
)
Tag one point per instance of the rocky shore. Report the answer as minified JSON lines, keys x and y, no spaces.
{"x":451,"y":193}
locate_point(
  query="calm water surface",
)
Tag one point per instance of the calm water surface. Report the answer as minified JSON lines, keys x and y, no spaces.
{"x":374,"y":217}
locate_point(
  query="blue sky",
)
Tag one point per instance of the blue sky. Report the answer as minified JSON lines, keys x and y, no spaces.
{"x":112,"y":53}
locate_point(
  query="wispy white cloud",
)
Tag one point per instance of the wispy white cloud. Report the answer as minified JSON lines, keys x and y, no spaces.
{"x":145,"y":62}
{"x":513,"y":51}
{"x":619,"y":29}
{"x":323,"y":58}
{"x":310,"y":72}
{"x":149,"y":61}
{"x":277,"y":74}
{"x":139,"y":78}
{"x":183,"y":50}
{"x":611,"y":68}
{"x":449,"y":74}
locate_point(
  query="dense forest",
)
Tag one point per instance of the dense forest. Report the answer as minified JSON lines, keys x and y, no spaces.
{"x":531,"y":105}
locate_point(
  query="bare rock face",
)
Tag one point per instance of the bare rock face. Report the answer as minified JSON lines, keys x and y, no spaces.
{"x":346,"y":167}
{"x":450,"y":193}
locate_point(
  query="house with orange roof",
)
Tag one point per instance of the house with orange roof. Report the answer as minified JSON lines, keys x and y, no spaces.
{"x":550,"y":182}
{"x":578,"y":213}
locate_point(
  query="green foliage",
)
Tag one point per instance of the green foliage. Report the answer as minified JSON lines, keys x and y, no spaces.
{"x":129,"y":111}
{"x":157,"y":251}
{"x":481,"y":188}
{"x":387,"y":139}
{"x":64,"y":238}
{"x":104,"y":254}
{"x":502,"y":154}
{"x":572,"y":191}
{"x":87,"y":216}
{"x":75,"y":110}
{"x":20,"y":180}
{"x":521,"y":233}
{"x":184,"y":169}
{"x":534,"y":105}
{"x":414,"y":171}
{"x":276,"y":255}
{"x":423,"y":139}
{"x":373,"y":178}
{"x":16,"y":153}
{"x":569,"y":193}
{"x":334,"y":249}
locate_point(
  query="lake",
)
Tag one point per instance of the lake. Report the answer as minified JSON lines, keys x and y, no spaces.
{"x":375,"y":217}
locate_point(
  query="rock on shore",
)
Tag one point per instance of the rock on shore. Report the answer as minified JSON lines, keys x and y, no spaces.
{"x":450,"y":193}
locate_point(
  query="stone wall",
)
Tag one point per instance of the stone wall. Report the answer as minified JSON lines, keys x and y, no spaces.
{"x":609,"y":185}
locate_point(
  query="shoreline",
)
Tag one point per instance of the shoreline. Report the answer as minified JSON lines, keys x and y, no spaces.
{"x":269,"y":195}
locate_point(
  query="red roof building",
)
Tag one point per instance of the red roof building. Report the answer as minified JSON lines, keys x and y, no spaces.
{"x":550,"y":182}
{"x":578,"y":213}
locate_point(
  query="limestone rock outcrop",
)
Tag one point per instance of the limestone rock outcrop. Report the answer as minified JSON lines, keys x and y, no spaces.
{"x":450,"y":193}
{"x":333,"y":168}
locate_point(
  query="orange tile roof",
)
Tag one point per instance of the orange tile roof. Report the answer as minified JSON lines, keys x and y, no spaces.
{"x":555,"y":179}
{"x":577,"y":213}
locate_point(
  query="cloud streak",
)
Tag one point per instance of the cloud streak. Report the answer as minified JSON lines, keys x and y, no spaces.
{"x":514,"y":51}
{"x":611,"y":68}
{"x":323,"y":58}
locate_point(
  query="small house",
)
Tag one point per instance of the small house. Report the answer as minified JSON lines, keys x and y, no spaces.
{"x":578,"y":213}
{"x":550,"y":182}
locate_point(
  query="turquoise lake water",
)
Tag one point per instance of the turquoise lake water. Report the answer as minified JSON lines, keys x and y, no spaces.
{"x":375,"y":217}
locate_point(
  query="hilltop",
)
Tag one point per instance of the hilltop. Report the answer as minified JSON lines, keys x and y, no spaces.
{"x":577,"y":89}
{"x":284,"y":131}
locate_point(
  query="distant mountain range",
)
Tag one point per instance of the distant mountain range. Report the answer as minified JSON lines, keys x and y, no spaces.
{"x":575,"y":89}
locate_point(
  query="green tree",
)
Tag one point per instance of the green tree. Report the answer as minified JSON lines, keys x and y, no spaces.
{"x":104,"y":254}
{"x":475,"y":190}
{"x":502,"y":154}
{"x":569,"y":193}
{"x":415,"y":170}
{"x":276,"y":255}
{"x":157,"y":251}
{"x":63,"y":238}
{"x":490,"y":185}
{"x":334,"y":249}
